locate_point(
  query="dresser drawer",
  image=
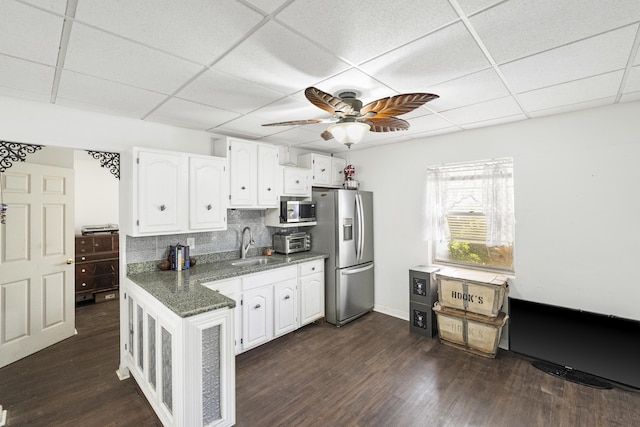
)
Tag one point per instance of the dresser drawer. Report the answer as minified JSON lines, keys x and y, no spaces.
{"x":311,"y":267}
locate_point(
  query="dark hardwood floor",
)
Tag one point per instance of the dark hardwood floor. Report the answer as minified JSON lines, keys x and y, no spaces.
{"x":371,"y":372}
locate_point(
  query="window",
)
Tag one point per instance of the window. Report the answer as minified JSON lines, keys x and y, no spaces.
{"x":470,"y":213}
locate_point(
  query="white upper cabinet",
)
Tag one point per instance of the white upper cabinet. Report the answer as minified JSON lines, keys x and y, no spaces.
{"x":296,"y":181}
{"x":207,"y":193}
{"x":243,"y":160}
{"x":267,"y":175}
{"x":161,"y":187}
{"x":253,"y":172}
{"x":326,"y":170}
{"x":337,"y":171}
{"x":172,"y":192}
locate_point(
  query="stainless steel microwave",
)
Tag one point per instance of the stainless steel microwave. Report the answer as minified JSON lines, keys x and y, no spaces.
{"x":297,"y":211}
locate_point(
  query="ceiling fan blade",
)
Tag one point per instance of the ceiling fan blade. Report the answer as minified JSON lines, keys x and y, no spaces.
{"x":299,"y":122}
{"x":397,"y":105}
{"x":387,"y":124}
{"x":326,"y":135}
{"x":326,"y":101}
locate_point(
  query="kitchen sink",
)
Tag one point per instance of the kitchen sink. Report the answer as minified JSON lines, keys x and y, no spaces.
{"x":251,"y":261}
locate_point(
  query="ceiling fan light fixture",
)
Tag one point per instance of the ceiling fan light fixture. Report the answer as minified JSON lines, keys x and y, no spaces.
{"x":349,"y":133}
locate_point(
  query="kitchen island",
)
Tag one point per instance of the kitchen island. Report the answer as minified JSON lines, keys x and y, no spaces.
{"x":179,"y":336}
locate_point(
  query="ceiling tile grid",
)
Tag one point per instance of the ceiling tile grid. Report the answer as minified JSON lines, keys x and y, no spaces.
{"x":230,"y":66}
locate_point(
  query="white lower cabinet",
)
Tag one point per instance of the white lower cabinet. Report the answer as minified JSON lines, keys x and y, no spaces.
{"x":311,"y":291}
{"x":285,"y":307}
{"x":184,"y":366}
{"x":274,"y":302}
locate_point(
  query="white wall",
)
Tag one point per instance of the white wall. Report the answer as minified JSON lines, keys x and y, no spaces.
{"x":96,"y":192}
{"x":52,"y":125}
{"x":576,"y":201}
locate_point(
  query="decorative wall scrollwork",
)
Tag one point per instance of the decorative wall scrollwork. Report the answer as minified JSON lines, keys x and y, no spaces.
{"x":108,"y":160}
{"x":11,"y":152}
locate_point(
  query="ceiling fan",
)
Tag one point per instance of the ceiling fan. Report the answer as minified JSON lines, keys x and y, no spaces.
{"x":351,"y":119}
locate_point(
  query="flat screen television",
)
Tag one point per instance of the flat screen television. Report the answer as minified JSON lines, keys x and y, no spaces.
{"x":576,"y":344}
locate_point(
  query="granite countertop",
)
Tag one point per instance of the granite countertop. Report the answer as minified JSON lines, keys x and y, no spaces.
{"x":182,"y":291}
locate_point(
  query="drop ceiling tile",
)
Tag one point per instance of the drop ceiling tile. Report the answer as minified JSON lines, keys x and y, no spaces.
{"x":630,"y":97}
{"x":356,"y":33}
{"x":444,"y":55}
{"x":277,"y":58}
{"x":249,"y":126}
{"x":367,"y":88}
{"x":56,"y":6}
{"x":103,"y":55}
{"x":493,"y":122}
{"x":288,"y":109}
{"x":435,"y":132}
{"x":193,"y":29}
{"x":428,"y":123}
{"x":574,"y":107}
{"x":515,"y":29}
{"x":596,"y":55}
{"x":29,"y":33}
{"x":187,"y":114}
{"x":633,"y":80}
{"x":32,"y":80}
{"x":93,"y":93}
{"x":228,"y":92}
{"x":478,"y":87}
{"x":472,"y":6}
{"x":588,"y":89}
{"x":267,"y":6}
{"x":323,"y":146}
{"x":295,"y":136}
{"x":491,"y":110}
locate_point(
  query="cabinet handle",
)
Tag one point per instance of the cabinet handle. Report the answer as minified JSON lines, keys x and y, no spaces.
{"x":268,"y":188}
{"x":243,"y":188}
{"x":163,"y":207}
{"x":297,"y":181}
{"x":257,"y":306}
{"x":322,"y":170}
{"x":209,"y":207}
{"x":84,"y":284}
{"x":287,"y":296}
{"x":84,"y":271}
{"x":313,"y":269}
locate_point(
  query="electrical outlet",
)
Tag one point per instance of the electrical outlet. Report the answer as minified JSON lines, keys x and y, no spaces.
{"x":191,"y":242}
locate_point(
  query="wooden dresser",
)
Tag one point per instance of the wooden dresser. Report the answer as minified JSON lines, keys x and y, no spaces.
{"x":97,"y":258}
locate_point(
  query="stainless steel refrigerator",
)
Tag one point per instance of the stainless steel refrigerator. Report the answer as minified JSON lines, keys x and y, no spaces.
{"x":344,"y":230}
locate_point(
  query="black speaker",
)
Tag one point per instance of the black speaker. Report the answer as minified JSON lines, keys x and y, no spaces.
{"x":423,"y":293}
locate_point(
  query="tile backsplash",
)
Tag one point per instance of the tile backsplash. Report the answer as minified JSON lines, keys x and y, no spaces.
{"x":156,"y":248}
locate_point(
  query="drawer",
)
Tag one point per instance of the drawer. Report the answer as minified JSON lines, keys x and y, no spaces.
{"x":311,"y":267}
{"x":268,"y":277}
{"x":107,"y":243}
{"x":96,"y":268}
{"x":225,"y":287}
{"x":84,"y":245}
{"x":84,"y":285}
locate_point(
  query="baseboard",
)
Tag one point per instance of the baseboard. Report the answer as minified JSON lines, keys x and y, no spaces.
{"x":391,"y":312}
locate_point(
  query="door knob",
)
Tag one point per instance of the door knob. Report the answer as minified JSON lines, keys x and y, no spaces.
{"x":70,"y":261}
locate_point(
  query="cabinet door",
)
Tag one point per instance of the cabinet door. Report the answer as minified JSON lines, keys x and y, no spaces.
{"x":322,"y":170}
{"x":285,"y":307}
{"x":296,"y":182}
{"x":337,"y":171}
{"x":267,"y":175}
{"x":160,"y":186}
{"x":207,"y":193}
{"x":243,"y":173}
{"x":257,"y":316}
{"x":311,"y":297}
{"x":231,"y":289}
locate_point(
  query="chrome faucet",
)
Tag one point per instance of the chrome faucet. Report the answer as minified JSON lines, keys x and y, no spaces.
{"x":251,"y":242}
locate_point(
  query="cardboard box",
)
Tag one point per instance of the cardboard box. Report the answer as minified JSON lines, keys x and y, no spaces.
{"x":472,"y":291}
{"x":471,"y":332}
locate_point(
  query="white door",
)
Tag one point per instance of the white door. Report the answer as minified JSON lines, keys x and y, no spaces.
{"x":285,"y":307}
{"x":267,"y":175}
{"x":244,"y":170}
{"x":257,"y":319}
{"x":37,"y":302}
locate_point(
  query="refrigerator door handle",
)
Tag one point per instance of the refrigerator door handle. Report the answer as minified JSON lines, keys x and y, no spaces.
{"x":358,"y":221}
{"x":357,"y":270}
{"x":361,"y":235}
